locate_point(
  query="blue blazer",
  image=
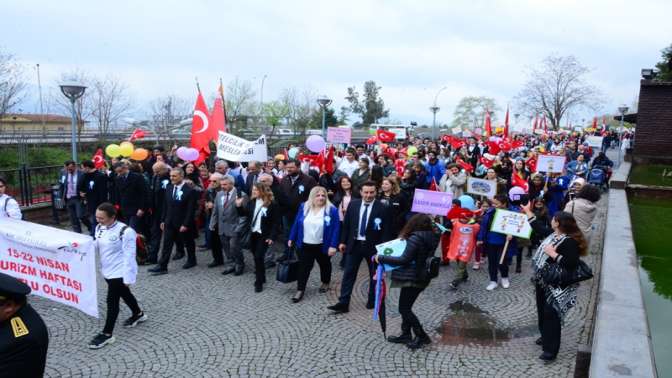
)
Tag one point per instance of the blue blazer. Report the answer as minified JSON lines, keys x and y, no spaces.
{"x":332,"y":229}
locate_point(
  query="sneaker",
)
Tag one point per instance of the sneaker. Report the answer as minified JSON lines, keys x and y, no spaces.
{"x":505,"y":283}
{"x":100,"y":340}
{"x":135,"y":320}
{"x":476,"y":266}
{"x":491,"y":286}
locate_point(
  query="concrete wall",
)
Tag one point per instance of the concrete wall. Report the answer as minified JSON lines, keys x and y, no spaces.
{"x":621,"y":341}
{"x":654,"y":122}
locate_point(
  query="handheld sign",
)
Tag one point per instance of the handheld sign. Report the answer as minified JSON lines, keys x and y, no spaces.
{"x":394,"y":248}
{"x":431,"y":202}
{"x":550,"y":163}
{"x":510,"y":223}
{"x":339,"y":135}
{"x":233,"y":148}
{"x":594,"y":141}
{"x":481,"y":187}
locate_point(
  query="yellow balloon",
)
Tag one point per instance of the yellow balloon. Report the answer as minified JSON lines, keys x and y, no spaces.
{"x":412,"y":150}
{"x":113,"y":150}
{"x":126,"y":149}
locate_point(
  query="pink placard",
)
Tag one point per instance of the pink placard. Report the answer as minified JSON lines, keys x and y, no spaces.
{"x":430,"y":202}
{"x":339,"y":135}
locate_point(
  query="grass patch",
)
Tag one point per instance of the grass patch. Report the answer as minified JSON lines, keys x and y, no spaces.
{"x":651,"y":224}
{"x":651,"y":174}
{"x":38,"y":156}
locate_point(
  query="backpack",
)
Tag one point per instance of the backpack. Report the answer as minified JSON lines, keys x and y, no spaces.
{"x":141,"y":252}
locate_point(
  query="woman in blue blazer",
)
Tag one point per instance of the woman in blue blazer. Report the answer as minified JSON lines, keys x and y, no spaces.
{"x":315,"y":233}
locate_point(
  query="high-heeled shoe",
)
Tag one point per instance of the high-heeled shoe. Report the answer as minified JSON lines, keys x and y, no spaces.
{"x":297,"y":297}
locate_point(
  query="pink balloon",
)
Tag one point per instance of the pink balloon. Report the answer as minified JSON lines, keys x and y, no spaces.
{"x":191,"y":154}
{"x":182,"y":153}
{"x":315,"y":143}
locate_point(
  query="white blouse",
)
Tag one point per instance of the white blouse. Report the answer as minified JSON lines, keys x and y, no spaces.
{"x":258,"y":212}
{"x":313,"y":227}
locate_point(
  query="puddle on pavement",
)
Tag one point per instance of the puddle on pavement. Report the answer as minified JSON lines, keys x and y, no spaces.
{"x":469,"y":324}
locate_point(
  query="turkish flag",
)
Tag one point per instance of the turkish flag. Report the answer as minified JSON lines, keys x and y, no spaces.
{"x":98,"y":159}
{"x":200,"y":136}
{"x":329,"y":160}
{"x":532,"y":164}
{"x":456,"y":143}
{"x":516,"y":180}
{"x":545,"y":124}
{"x":217,"y":120}
{"x":534,"y":125}
{"x":432,"y":186}
{"x":466,"y":166}
{"x":137,"y":134}
{"x":487,"y":163}
{"x":385,"y":136}
{"x":493,"y":147}
{"x":488,"y":124}
{"x":506,"y":123}
{"x":372,"y":140}
{"x":504,"y":145}
{"x":517,"y":144}
{"x":400,"y":165}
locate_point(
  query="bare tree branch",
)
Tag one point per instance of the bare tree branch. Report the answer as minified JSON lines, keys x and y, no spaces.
{"x":12,"y":83}
{"x":167,"y":112}
{"x":110,"y":101}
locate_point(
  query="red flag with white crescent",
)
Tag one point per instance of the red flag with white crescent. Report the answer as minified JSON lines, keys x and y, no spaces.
{"x":385,"y":136}
{"x":98,"y":159}
{"x":200,"y":136}
{"x":137,"y":134}
{"x":217,"y":120}
{"x":506,"y":123}
{"x":488,"y":124}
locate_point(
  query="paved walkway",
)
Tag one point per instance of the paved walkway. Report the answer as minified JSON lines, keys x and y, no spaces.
{"x":204,"y":324}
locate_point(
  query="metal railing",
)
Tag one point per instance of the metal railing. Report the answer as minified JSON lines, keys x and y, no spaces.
{"x":31,"y":185}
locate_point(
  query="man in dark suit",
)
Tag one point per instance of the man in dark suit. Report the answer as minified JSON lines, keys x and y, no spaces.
{"x":367,"y":223}
{"x":295,"y":188}
{"x":160,"y":182}
{"x":93,"y":188}
{"x":178,"y":221}
{"x":131,"y":194}
{"x":253,"y":171}
{"x":70,"y":178}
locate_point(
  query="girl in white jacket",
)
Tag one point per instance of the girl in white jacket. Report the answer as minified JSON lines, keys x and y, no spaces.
{"x":115,"y":243}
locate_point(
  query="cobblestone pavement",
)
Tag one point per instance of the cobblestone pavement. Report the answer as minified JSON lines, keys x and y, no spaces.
{"x":204,"y":324}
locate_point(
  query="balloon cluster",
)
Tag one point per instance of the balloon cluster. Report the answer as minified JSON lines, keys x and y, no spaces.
{"x":126,"y":149}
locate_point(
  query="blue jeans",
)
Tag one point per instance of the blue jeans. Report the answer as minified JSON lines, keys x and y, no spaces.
{"x":75,"y":212}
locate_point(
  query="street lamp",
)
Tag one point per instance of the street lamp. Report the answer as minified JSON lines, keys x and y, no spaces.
{"x":73,"y":91}
{"x":621,"y":109}
{"x":434,"y":109}
{"x":324,"y":102}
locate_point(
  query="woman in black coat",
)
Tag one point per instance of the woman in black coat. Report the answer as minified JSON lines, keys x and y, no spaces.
{"x":411,"y":276}
{"x":399,"y":203}
{"x":262,"y":223}
{"x":563,"y":244}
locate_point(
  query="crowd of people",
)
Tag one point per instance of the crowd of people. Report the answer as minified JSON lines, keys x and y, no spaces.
{"x":263,"y":210}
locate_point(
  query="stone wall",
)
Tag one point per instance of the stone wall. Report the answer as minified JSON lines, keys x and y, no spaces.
{"x":653,"y":138}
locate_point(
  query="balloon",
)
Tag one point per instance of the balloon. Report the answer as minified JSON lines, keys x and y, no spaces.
{"x":412,"y":150}
{"x":192,"y":154}
{"x":140,"y":154}
{"x":293,"y":152}
{"x":515,"y":193}
{"x":126,"y":149}
{"x":182,"y":153}
{"x":315,"y":143}
{"x":467,"y":202}
{"x":279,"y":157}
{"x":113,"y":150}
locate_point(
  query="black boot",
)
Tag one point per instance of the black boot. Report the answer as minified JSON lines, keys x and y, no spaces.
{"x":421,"y":338}
{"x":405,"y":336}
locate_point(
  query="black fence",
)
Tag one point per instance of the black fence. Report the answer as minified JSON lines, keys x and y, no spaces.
{"x":31,"y":185}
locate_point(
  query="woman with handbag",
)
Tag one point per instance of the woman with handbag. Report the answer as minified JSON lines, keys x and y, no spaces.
{"x":315,"y":234}
{"x":412,"y":276}
{"x":557,"y":270}
{"x":261,"y":213}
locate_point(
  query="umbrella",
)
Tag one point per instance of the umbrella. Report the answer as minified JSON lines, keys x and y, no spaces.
{"x":379,"y":307}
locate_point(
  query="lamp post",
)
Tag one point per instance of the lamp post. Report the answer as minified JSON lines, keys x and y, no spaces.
{"x":435,"y":109}
{"x":621,"y":109}
{"x":73,"y":92}
{"x":324,"y":102}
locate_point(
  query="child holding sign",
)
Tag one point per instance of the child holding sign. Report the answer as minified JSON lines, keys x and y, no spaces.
{"x":494,"y":242}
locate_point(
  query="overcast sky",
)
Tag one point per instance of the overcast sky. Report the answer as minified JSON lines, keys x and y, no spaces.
{"x":410,"y":48}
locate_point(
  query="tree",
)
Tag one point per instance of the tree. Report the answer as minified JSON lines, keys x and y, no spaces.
{"x":557,"y":86}
{"x":329,"y":117}
{"x":240,"y":103}
{"x":470,"y":111}
{"x":343,"y":115}
{"x":109,"y":102}
{"x":372,"y":107}
{"x":167,"y":112}
{"x":300,"y":108}
{"x":273,"y":113}
{"x":665,"y":65}
{"x":12,"y":84}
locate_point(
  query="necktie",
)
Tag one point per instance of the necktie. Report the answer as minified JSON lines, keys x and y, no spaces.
{"x":362,"y":222}
{"x":175,"y":192}
{"x":226,"y":199}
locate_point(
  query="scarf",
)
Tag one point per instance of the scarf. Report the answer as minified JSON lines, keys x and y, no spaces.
{"x":561,"y":299}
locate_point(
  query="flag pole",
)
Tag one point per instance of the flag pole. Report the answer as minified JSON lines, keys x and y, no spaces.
{"x":198,"y":86}
{"x":506,"y":246}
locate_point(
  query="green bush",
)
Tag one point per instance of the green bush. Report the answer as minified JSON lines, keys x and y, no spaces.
{"x":38,"y":156}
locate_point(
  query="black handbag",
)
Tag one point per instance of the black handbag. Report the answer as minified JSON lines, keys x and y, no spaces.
{"x":288,"y":269}
{"x":555,"y":275}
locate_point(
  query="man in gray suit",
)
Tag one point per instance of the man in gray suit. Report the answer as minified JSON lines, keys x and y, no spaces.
{"x":229,"y":225}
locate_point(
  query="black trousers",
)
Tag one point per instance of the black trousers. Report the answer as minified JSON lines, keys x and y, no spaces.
{"x":494,"y":253}
{"x":308,"y":254}
{"x":182,"y":240}
{"x":115,"y":290}
{"x":352,"y":262}
{"x":407,"y":298}
{"x":215,"y":246}
{"x":258,"y":247}
{"x":155,"y":239}
{"x":549,"y":323}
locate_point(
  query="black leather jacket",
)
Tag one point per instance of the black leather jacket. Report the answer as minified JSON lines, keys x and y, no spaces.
{"x":419,"y":246}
